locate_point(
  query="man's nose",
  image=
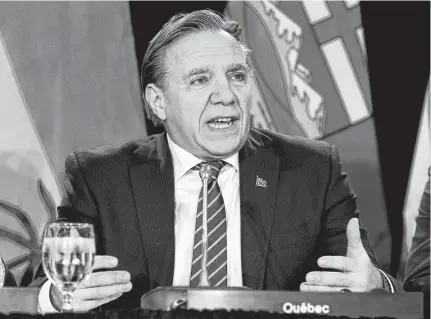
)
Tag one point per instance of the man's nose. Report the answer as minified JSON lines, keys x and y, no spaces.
{"x":222,"y":93}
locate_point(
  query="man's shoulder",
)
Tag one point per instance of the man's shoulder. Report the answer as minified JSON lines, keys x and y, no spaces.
{"x":106,"y":154}
{"x":294,"y":146}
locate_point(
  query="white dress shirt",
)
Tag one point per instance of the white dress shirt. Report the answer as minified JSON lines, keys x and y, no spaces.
{"x":188,"y":185}
{"x":187,"y":188}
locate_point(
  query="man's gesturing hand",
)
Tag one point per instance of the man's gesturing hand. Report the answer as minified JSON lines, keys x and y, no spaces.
{"x":99,"y":288}
{"x":355,"y":270}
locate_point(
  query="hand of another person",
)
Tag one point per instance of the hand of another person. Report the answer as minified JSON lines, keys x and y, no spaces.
{"x":98,"y":289}
{"x":355,"y":271}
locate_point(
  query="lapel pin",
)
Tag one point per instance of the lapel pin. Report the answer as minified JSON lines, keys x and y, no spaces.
{"x":260,"y":182}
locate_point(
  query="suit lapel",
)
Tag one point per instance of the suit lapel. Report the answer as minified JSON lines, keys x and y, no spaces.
{"x":152,"y":179}
{"x":259,"y":170}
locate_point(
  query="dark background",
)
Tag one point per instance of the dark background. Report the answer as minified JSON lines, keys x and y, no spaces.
{"x":397,"y":37}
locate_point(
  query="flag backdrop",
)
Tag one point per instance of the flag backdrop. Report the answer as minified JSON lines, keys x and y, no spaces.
{"x":69,"y":78}
{"x":313,"y":81}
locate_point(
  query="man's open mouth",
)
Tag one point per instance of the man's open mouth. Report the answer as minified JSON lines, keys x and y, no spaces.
{"x":222,"y":123}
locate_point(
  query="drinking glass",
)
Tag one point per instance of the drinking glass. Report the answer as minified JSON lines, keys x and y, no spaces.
{"x":68,"y":252}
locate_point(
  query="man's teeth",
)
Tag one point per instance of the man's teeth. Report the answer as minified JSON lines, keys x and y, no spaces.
{"x":227,"y":119}
{"x":221,"y":123}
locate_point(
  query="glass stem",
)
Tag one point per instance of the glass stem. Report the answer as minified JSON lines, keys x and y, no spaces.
{"x":67,"y":301}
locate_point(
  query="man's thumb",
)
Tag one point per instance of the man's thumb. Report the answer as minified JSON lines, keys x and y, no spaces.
{"x":353,"y":237}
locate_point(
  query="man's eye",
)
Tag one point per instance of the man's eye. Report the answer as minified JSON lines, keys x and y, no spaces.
{"x":199,"y":81}
{"x":240,"y":77}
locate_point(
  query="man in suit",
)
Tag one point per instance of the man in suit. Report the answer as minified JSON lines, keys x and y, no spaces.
{"x":417,"y":273}
{"x":281,"y":213}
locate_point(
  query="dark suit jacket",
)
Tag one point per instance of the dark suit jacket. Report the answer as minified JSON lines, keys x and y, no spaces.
{"x":417,"y":274}
{"x":127,"y":192}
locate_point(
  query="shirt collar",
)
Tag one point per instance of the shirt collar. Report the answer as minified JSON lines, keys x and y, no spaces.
{"x":184,"y":161}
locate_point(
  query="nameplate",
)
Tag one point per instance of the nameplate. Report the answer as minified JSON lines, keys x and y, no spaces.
{"x":353,"y":305}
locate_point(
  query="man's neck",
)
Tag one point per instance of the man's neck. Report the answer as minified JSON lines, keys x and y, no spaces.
{"x":184,"y":160}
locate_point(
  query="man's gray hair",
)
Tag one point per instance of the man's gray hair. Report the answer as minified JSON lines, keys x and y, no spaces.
{"x":153,"y":68}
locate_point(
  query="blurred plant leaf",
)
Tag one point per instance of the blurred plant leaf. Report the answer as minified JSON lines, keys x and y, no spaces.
{"x":34,"y":244}
{"x":30,"y":271}
{"x":22,"y":217}
{"x":47,"y":201}
{"x":18,"y":261}
{"x":18,"y":239}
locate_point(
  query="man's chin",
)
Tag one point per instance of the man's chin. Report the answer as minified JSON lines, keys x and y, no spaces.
{"x":224,"y":148}
{"x":223,"y":143}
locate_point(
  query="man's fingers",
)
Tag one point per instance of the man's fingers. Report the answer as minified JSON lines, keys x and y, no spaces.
{"x":330,"y":278}
{"x":101,"y":293}
{"x":337,"y":262}
{"x":354,"y":242}
{"x":101,"y":262}
{"x":318,"y":288}
{"x":105,"y":278}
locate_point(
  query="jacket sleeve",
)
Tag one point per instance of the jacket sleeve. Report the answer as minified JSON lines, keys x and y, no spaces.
{"x":417,"y":273}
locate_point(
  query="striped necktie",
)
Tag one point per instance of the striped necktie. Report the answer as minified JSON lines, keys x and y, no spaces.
{"x":216,"y":235}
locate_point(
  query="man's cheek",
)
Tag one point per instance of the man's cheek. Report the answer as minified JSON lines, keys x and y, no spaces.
{"x":244,"y":96}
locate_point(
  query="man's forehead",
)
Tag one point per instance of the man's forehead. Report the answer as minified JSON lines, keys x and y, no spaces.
{"x":208,"y":56}
{"x":206,"y":46}
{"x":209,"y":51}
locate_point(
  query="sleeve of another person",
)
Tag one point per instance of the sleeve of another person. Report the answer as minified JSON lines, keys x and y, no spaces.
{"x":417,"y":274}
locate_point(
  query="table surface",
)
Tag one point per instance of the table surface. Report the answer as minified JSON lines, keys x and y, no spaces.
{"x":22,"y":302}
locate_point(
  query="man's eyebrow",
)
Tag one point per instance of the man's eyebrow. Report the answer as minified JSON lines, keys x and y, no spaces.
{"x":196,"y":71}
{"x":237,"y":67}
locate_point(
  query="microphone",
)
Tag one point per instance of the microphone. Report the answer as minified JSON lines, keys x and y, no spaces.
{"x":345,"y":290}
{"x":205,"y":174}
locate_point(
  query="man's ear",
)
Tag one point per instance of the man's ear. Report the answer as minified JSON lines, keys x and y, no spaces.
{"x":156,"y":99}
